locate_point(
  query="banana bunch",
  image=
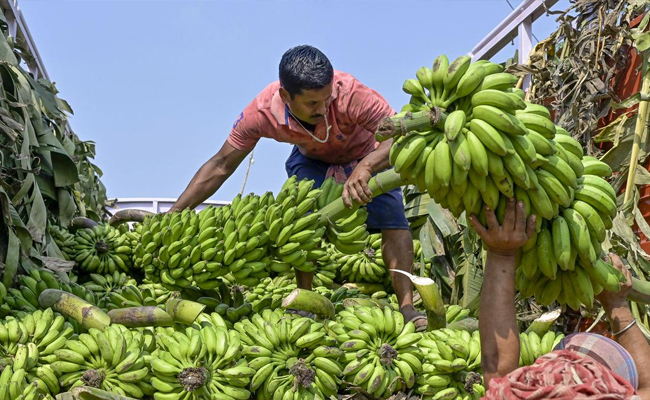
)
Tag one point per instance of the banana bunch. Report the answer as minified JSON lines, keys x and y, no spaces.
{"x":381,"y":357}
{"x":102,"y":249}
{"x":227,"y":302}
{"x":295,"y":235}
{"x":326,"y":266}
{"x":14,"y":385}
{"x":64,"y":240}
{"x":293,"y":358}
{"x":5,"y":309}
{"x":133,"y":238}
{"x":331,"y":191}
{"x":200,"y":364}
{"x":114,"y":360}
{"x":27,"y":346}
{"x":452,"y":363}
{"x":349,"y":235}
{"x":454,"y":313}
{"x":269,"y":293}
{"x":533,"y":347}
{"x":137,"y":296}
{"x":25,"y":297}
{"x":101,"y":285}
{"x":366,"y":265}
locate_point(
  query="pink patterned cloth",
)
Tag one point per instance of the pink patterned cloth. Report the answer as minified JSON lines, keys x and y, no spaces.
{"x":564,"y":375}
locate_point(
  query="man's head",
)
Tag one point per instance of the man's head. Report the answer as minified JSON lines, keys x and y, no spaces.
{"x":306,"y":77}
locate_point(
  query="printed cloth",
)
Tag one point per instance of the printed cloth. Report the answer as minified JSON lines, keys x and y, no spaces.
{"x":605,"y":351}
{"x":562,"y":375}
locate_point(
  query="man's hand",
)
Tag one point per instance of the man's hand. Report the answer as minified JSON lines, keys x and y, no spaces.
{"x":356,"y":186}
{"x":611,"y":300}
{"x":505,"y":239}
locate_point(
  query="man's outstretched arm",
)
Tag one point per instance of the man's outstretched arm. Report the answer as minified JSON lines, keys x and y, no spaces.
{"x":497,"y":320}
{"x":210,"y":177}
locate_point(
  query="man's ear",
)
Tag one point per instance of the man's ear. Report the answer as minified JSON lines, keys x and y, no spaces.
{"x":285,"y":96}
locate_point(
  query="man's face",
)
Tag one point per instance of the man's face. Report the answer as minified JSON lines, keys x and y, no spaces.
{"x":310,"y":105}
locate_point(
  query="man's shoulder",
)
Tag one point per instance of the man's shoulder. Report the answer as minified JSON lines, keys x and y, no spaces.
{"x":264,"y":99}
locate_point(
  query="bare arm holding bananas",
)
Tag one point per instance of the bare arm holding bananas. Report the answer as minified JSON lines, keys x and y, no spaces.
{"x":497,"y":321}
{"x":618,"y":312}
{"x":356,"y":186}
{"x":210,"y":177}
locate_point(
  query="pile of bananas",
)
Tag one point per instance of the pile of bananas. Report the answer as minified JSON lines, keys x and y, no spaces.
{"x":200,"y":363}
{"x":102,"y":249}
{"x":25,"y":298}
{"x":27,"y":347}
{"x":455,"y":313}
{"x":102,"y":285}
{"x":137,"y":296}
{"x":492,"y":146}
{"x":381,"y":357}
{"x":452,"y":363}
{"x":64,"y":241}
{"x":268,"y":295}
{"x":533,"y":347}
{"x":293,"y":358}
{"x":113,"y":360}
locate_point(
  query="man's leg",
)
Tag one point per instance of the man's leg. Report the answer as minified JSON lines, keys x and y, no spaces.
{"x":304,"y":167}
{"x":397,"y":252}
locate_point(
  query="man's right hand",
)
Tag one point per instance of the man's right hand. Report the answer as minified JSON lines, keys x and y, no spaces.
{"x":611,"y":300}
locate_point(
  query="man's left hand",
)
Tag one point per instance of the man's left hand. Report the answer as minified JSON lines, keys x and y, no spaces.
{"x":356,"y":187}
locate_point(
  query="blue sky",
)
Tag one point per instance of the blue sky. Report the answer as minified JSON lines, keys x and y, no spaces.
{"x":158,"y":84}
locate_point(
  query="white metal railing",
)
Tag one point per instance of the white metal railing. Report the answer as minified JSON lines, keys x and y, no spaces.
{"x":156,"y":205}
{"x":519,"y":24}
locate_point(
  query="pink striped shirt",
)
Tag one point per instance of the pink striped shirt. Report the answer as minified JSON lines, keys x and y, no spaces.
{"x":354,"y":114}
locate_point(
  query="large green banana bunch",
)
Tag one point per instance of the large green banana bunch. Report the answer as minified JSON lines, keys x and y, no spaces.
{"x":228,"y":302}
{"x":452,"y":365}
{"x":114,"y":360}
{"x":326,"y":267}
{"x":533,"y":347}
{"x":493,"y":146}
{"x":381,"y":356}
{"x":28,"y":343}
{"x":101,"y":285}
{"x":133,"y":238}
{"x":294,"y":358}
{"x":137,"y":296}
{"x":102,"y":249}
{"x":295,"y":235}
{"x":366,"y":265}
{"x":25,"y":297}
{"x":201,"y":363}
{"x":64,"y":241}
{"x":454,"y":313}
{"x":269,"y":293}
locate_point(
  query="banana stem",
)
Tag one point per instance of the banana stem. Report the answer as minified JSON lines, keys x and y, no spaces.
{"x":128,"y":216}
{"x":138,"y":317}
{"x":86,"y":314}
{"x":639,"y":129}
{"x":91,"y":393}
{"x":184,"y":311}
{"x":640,"y":292}
{"x":420,"y":121}
{"x":306,"y":300}
{"x":381,"y":183}
{"x":82,"y":223}
{"x":431,"y":299}
{"x":542,"y":324}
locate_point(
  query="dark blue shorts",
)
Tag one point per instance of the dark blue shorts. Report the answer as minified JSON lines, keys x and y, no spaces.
{"x":385,"y":211}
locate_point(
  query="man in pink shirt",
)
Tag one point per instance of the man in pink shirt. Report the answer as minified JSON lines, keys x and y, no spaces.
{"x":330,"y":118}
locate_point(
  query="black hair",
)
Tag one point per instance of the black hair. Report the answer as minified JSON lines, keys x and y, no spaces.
{"x":304,"y":67}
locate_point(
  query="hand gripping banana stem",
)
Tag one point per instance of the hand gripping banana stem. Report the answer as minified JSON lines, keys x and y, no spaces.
{"x":401,"y":124}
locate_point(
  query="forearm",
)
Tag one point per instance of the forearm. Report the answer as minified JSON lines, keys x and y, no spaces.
{"x":633,"y":341}
{"x":204,"y":184}
{"x":497,"y":320}
{"x":377,"y":160}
